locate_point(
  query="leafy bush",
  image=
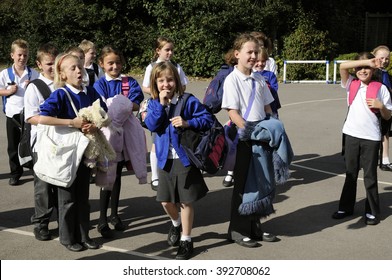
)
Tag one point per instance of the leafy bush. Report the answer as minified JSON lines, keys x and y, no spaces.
{"x":307,"y":43}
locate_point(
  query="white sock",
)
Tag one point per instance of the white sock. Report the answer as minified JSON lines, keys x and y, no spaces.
{"x":154,"y":166}
{"x":186,"y":238}
{"x":177,"y":222}
{"x":385,"y":160}
{"x":230,"y":173}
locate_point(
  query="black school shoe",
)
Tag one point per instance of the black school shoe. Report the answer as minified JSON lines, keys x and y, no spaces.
{"x":185,"y":250}
{"x":117,"y":223}
{"x":372,"y":222}
{"x":341,"y":214}
{"x":42,"y":234}
{"x":173,"y":238}
{"x":386,"y":167}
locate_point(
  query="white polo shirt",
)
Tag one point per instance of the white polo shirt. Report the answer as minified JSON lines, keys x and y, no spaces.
{"x":147,"y":74}
{"x":32,"y":100}
{"x":237,"y":89}
{"x":361,"y":122}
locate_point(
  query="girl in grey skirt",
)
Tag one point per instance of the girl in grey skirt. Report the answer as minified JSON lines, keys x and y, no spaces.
{"x":180,"y":183}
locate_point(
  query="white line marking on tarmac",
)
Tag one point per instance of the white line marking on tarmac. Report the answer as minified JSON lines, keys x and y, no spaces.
{"x":105,"y":248}
{"x":312,"y":101}
{"x":335,"y":174}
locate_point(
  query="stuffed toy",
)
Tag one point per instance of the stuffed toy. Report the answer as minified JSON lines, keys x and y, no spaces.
{"x":99,"y":151}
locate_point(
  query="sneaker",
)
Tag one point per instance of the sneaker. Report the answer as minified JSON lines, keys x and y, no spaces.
{"x":173,"y":238}
{"x":185,"y":250}
{"x":42,"y":234}
{"x":117,"y":223}
{"x":228,"y":181}
{"x":386,"y":167}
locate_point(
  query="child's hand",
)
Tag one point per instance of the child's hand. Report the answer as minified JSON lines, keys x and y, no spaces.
{"x":375,"y":63}
{"x":78,"y":122}
{"x":12,"y":88}
{"x":89,"y":128}
{"x":179,"y":122}
{"x":374,"y":103}
{"x":164,"y":97}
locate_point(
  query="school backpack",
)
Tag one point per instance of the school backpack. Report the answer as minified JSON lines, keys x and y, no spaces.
{"x":11,"y":76}
{"x":214,"y":93}
{"x":205,"y":149}
{"x":371,"y":91}
{"x":25,"y":152}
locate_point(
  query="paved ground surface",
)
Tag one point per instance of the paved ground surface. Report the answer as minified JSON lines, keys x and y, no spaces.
{"x":313,"y":115}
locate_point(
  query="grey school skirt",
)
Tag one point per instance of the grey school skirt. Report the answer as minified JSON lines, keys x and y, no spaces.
{"x":178,"y":183}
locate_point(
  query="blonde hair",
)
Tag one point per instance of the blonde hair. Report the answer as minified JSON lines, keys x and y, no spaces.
{"x":263,"y":53}
{"x":58,"y":69}
{"x":381,"y":47}
{"x":86,"y":45}
{"x":19,"y":43}
{"x":157,"y":71}
{"x":46,"y":49}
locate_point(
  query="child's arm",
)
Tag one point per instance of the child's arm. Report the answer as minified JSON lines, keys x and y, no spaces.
{"x":76,"y":122}
{"x":236,"y":117}
{"x":345,"y":66}
{"x":374,"y":103}
{"x":10,"y":90}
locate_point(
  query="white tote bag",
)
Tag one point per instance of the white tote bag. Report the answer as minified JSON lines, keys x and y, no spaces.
{"x":60,"y":150}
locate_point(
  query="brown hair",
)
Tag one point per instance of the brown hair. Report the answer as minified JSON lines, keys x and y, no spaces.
{"x":242,"y":39}
{"x":157,"y":71}
{"x":46,"y":49}
{"x":160,"y":43}
{"x":108,"y":50}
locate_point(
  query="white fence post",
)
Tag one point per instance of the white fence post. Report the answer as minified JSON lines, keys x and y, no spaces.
{"x":335,"y":69}
{"x":307,"y":62}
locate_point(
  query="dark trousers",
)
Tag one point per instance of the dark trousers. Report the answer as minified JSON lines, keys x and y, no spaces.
{"x":360,"y":153}
{"x":242,"y":225}
{"x":113,"y":196}
{"x":45,"y":200}
{"x":74,"y":208}
{"x":13,"y":138}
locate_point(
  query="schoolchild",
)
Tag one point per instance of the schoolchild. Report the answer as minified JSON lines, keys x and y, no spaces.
{"x":112,"y":60}
{"x":12,"y":90}
{"x":163,"y":51}
{"x":362,"y":134}
{"x":45,"y":194}
{"x":269,"y":77}
{"x":238,"y":86}
{"x":77,"y":51}
{"x":94,"y":71}
{"x":272,"y":83}
{"x":266,"y":42}
{"x":382,"y":52}
{"x":73,"y":202}
{"x":180,"y":183}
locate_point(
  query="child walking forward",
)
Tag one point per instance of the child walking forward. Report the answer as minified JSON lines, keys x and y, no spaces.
{"x":73,"y":202}
{"x":180,"y":183}
{"x":164,"y":50}
{"x":362,"y":135}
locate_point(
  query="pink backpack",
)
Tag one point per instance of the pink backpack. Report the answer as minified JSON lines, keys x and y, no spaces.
{"x":371,"y":91}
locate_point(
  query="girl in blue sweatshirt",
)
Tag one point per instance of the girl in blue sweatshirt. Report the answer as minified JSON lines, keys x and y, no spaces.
{"x":180,"y":183}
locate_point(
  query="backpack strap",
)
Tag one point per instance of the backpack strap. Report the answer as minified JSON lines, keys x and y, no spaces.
{"x":371,"y":91}
{"x":11,"y":76}
{"x":125,"y":86}
{"x":179,"y":110}
{"x":42,"y":87}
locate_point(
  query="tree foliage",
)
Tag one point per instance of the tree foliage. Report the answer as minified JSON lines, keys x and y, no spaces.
{"x":202,"y":30}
